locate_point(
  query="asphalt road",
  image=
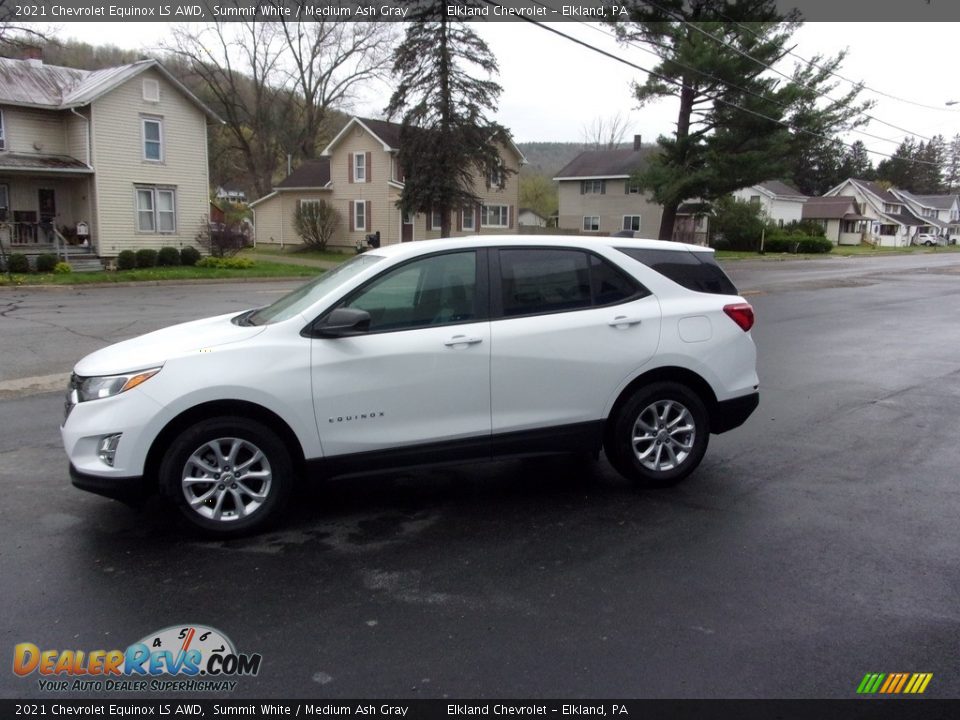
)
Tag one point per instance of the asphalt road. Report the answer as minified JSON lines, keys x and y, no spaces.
{"x":815,"y":544}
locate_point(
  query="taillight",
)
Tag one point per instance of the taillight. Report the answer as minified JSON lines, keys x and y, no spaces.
{"x":741,"y":314}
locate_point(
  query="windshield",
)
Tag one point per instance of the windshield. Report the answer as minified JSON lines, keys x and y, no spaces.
{"x":300,"y":299}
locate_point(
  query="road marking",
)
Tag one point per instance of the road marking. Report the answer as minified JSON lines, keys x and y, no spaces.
{"x":21,"y":387}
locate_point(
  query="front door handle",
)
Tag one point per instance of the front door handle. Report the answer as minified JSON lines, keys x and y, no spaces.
{"x":462,"y":340}
{"x":624,"y":321}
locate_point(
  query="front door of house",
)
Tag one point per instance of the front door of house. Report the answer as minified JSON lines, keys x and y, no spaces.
{"x":407,"y":230}
{"x":47,"y":203}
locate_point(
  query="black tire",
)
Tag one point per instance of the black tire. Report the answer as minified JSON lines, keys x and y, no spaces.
{"x":233,"y":504}
{"x":640,"y":461}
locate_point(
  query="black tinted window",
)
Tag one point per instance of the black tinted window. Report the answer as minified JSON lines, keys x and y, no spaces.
{"x":539,"y":281}
{"x":610,"y":285}
{"x":694,"y":271}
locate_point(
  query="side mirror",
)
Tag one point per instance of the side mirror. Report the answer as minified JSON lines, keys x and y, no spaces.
{"x":343,"y":322}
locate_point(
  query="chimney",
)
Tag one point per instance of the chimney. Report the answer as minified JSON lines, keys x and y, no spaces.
{"x":33,"y":54}
{"x":637,"y":142}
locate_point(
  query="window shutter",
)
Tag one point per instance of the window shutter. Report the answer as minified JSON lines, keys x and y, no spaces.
{"x":353,"y":216}
{"x":503,"y":177}
{"x":368,"y":167}
{"x":510,"y":216}
{"x":368,"y":217}
{"x":476,"y":223}
{"x":460,"y":219}
{"x":603,"y":187}
{"x":350,"y":169}
{"x":583,"y":187}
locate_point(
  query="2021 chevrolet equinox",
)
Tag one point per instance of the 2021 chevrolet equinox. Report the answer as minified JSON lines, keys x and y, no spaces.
{"x":432,"y":351}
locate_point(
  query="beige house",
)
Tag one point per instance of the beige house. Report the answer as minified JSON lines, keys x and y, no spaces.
{"x":359,"y":175}
{"x":840,"y":217}
{"x":596,"y":195}
{"x":118,"y":155}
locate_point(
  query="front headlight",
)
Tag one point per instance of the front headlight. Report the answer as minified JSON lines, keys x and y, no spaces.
{"x":104,"y":386}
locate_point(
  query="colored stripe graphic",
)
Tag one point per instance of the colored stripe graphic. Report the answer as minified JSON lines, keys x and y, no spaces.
{"x":894,"y":683}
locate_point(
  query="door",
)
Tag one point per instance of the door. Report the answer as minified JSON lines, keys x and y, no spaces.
{"x":568,"y":328}
{"x":407,"y":229}
{"x":421,"y":373}
{"x":47,"y":203}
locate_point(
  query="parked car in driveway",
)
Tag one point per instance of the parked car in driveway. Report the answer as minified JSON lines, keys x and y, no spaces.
{"x":424,"y":352}
{"x":928,"y":239}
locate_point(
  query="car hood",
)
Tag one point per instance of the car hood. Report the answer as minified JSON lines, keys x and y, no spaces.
{"x":153,"y":349}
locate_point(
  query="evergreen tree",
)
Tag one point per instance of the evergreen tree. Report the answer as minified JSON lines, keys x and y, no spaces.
{"x":446,"y":136}
{"x":900,"y":170}
{"x":856,"y":163}
{"x":952,"y":165}
{"x":737,"y":123}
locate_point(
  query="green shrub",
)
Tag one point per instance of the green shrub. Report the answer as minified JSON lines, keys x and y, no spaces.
{"x":189,"y":255}
{"x":46,"y":263}
{"x":779,"y":243}
{"x":126,"y":260}
{"x":62,"y":268}
{"x":18,"y":263}
{"x":226,"y":263}
{"x":810,"y":244}
{"x":146,"y":258}
{"x":168,"y":257}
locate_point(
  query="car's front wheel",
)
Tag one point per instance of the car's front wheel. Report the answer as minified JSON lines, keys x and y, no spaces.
{"x":659,"y":435}
{"x":228,"y":476}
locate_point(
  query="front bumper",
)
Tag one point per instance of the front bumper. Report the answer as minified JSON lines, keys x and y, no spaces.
{"x":129,"y":490}
{"x":730,"y":414}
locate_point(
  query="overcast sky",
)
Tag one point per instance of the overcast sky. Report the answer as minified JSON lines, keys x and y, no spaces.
{"x":553,"y":88}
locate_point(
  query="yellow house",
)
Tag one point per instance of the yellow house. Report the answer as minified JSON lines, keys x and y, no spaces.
{"x":119,"y":155}
{"x":359,"y":175}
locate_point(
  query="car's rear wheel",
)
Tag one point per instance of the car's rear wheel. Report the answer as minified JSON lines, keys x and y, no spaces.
{"x":228,"y":476}
{"x":659,"y":435}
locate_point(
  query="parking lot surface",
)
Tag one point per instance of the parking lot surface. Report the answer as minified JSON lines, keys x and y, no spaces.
{"x":815,"y":544}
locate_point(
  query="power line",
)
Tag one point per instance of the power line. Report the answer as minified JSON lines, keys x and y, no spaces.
{"x":677,"y":83}
{"x":747,"y":55}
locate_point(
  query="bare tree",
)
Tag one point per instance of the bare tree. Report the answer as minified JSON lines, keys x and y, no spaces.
{"x":606,"y":133}
{"x":330,"y":61}
{"x":275,"y":83}
{"x":15,"y":34}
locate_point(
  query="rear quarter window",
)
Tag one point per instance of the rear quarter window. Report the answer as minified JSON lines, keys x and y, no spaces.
{"x":694,"y":271}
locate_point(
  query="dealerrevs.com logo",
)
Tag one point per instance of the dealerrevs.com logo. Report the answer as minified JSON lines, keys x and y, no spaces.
{"x":181,"y":658}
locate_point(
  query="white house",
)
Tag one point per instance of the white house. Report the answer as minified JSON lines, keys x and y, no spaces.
{"x":779,"y":202}
{"x":942,"y":212}
{"x":891,"y":222}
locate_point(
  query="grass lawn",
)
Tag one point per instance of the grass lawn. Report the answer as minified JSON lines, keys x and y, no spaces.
{"x":262,"y":269}
{"x":842,"y":251}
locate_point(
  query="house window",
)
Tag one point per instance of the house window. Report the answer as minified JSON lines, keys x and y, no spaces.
{"x":630,"y":222}
{"x":152,"y":139}
{"x":591,"y":223}
{"x":892,"y":208}
{"x":436,"y":220}
{"x":3,"y":133}
{"x":888,"y":229}
{"x":4,"y":202}
{"x":304,"y":202}
{"x":469,"y":219}
{"x":359,"y":215}
{"x":495,"y":216}
{"x":929,"y":212}
{"x":495,"y":177}
{"x":156,"y":210}
{"x":593,"y":187}
{"x":151,"y":90}
{"x":755,"y":200}
{"x":632,"y":188}
{"x":359,"y":167}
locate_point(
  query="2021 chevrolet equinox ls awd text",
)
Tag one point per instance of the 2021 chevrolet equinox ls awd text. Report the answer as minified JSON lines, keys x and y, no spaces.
{"x":432,"y":351}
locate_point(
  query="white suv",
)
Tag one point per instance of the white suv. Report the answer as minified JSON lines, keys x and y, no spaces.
{"x":424,"y":352}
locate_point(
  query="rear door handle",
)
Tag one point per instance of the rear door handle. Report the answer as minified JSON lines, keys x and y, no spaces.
{"x":462,"y":340}
{"x":624,"y":321}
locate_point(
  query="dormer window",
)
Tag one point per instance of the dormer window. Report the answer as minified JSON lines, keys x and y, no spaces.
{"x":892,"y":208}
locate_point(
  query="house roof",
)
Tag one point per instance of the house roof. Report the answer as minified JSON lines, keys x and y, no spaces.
{"x":388,"y":133}
{"x":940,"y":202}
{"x":30,"y":83}
{"x":780,"y":189}
{"x":311,"y":174}
{"x":605,"y":164}
{"x":34,"y":162}
{"x":878,"y":190}
{"x":830,"y":207}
